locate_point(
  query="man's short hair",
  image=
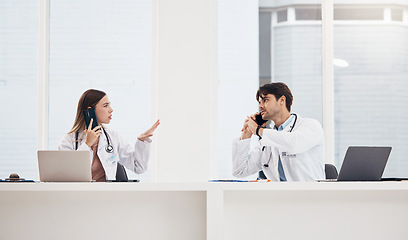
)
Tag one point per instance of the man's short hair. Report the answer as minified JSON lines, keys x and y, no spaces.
{"x":278,"y":89}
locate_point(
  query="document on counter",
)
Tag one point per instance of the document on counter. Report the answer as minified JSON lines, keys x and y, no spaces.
{"x":227,"y":180}
{"x":234,"y":180}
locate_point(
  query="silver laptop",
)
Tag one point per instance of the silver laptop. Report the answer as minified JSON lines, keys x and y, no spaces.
{"x":64,"y":166}
{"x":363,"y":164}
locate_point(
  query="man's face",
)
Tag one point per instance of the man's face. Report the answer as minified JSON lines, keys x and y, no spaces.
{"x":269,"y":106}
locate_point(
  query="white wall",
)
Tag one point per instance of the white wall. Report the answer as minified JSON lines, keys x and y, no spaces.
{"x":183,"y":89}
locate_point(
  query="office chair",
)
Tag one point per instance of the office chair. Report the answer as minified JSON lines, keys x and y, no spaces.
{"x":331,"y":171}
{"x":261,"y":175}
{"x":121,"y":173}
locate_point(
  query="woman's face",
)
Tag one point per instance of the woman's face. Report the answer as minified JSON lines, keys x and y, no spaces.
{"x":104,"y":110}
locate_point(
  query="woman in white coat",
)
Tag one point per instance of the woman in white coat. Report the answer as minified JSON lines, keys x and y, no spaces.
{"x":292,"y":151}
{"x":107,"y":147}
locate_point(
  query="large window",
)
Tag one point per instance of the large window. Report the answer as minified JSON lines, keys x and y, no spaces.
{"x":289,"y":47}
{"x":290,"y":51}
{"x":107,"y":45}
{"x":370,"y":76}
{"x":104,"y":45}
{"x":18,"y":88}
{"x":370,"y":70}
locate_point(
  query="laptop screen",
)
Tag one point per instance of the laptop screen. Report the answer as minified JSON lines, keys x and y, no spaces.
{"x":364,"y":163}
{"x":64,"y":166}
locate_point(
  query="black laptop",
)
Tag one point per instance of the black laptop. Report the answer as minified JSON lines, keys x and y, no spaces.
{"x":364,"y":163}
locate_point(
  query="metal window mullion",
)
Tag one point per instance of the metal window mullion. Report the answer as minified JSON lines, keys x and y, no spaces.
{"x":274,"y":21}
{"x":387,"y":15}
{"x":214,"y":90}
{"x":405,"y":16}
{"x":43,"y":72}
{"x":154,"y":85}
{"x":328,"y":78}
{"x":291,"y":14}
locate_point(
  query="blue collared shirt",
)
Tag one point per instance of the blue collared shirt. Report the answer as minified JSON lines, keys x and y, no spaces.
{"x":285,"y":124}
{"x":282,"y":176}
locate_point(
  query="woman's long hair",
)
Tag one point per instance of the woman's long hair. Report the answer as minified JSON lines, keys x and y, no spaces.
{"x":88,"y":99}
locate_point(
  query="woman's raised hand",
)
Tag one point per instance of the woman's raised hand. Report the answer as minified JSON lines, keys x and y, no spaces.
{"x":149,"y":132}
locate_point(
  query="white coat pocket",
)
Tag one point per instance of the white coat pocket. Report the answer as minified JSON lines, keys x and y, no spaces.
{"x":112,"y":159}
{"x":288,"y":155}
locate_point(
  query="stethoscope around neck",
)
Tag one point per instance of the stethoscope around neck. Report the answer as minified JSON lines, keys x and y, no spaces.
{"x":109,"y":147}
{"x":291,"y":129}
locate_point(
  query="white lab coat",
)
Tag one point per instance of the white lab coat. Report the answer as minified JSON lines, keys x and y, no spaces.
{"x":301,"y":152}
{"x":135,"y":159}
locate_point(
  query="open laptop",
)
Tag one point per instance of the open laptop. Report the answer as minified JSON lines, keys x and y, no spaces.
{"x":363,"y":164}
{"x":64,"y":166}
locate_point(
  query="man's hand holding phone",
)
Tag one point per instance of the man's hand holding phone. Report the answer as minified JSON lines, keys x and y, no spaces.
{"x":246,"y":130}
{"x":246,"y":133}
{"x":251,"y":124}
{"x":258,"y":119}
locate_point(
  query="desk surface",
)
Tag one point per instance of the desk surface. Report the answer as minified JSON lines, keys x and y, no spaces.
{"x":208,"y":210}
{"x":230,"y":186}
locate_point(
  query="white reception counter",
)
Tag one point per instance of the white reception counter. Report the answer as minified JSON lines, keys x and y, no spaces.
{"x":213,"y":211}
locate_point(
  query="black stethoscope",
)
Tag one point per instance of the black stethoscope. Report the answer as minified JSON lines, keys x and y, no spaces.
{"x":291,"y":128}
{"x":109,"y":148}
{"x":294,"y":122}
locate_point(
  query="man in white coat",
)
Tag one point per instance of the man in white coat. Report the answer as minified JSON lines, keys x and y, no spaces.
{"x":292,"y":151}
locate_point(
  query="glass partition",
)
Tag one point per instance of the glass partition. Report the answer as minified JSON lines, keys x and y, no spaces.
{"x":287,"y":48}
{"x":370,"y":77}
{"x":105,"y":45}
{"x":18,"y":88}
